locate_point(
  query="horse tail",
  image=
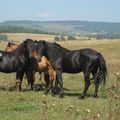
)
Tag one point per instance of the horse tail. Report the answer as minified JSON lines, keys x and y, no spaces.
{"x":102,"y":69}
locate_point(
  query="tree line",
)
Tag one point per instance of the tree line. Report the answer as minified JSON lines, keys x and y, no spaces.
{"x":18,"y":29}
{"x":111,"y":35}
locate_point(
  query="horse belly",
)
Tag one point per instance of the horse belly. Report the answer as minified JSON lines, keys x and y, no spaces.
{"x":71,"y":69}
{"x":7,"y":69}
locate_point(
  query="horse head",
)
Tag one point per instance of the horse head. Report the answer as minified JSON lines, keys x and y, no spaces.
{"x":30,"y":47}
{"x":40,"y":48}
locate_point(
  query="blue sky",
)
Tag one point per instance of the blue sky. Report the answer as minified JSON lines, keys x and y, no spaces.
{"x":88,"y":10}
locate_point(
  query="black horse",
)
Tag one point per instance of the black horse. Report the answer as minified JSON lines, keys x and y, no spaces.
{"x":18,"y":60}
{"x":74,"y":61}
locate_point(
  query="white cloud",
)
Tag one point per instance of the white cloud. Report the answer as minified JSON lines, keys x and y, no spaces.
{"x":44,"y":15}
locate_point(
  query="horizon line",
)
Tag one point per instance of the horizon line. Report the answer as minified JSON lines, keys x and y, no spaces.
{"x":59,"y":21}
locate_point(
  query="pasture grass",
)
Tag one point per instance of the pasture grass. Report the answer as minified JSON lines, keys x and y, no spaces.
{"x":34,"y":105}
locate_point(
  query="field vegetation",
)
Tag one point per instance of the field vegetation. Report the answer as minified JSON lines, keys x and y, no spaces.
{"x":34,"y":105}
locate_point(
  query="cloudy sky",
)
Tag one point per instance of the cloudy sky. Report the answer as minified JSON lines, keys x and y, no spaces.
{"x":45,"y":10}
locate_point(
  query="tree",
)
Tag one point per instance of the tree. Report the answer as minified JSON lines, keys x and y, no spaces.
{"x":62,"y":38}
{"x":56,"y":38}
{"x":71,"y":38}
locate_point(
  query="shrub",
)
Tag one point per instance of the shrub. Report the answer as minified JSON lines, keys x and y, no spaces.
{"x":56,"y":38}
{"x":62,"y":38}
{"x":71,"y":38}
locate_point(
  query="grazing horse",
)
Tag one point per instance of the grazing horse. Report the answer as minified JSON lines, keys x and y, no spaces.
{"x":43,"y":66}
{"x":73,"y":61}
{"x":18,"y":60}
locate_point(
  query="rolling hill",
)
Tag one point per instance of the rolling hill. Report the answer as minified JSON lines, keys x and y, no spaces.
{"x":67,"y":27}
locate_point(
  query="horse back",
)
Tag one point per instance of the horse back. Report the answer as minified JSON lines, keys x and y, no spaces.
{"x":71,"y":62}
{"x":77,"y":60}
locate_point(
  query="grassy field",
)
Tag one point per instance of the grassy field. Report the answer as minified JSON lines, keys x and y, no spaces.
{"x":29,"y":105}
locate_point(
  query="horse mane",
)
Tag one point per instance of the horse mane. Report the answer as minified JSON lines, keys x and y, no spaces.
{"x":57,"y":44}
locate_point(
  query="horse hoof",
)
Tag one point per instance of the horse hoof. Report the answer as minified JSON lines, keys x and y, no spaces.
{"x":53,"y":95}
{"x":33,"y":88}
{"x":95,"y":96}
{"x":18,"y":89}
{"x":61,"y":96}
{"x":46,"y":92}
{"x":81,"y":97}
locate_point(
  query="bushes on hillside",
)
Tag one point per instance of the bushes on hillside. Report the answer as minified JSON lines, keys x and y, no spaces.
{"x":56,"y":38}
{"x":19,"y":29}
{"x":62,"y":38}
{"x":59,"y":38}
{"x":71,"y":38}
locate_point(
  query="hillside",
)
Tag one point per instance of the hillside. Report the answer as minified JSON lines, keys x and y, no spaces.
{"x":67,"y":26}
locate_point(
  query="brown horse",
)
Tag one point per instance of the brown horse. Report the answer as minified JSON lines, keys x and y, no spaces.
{"x":10,"y":47}
{"x":43,"y":66}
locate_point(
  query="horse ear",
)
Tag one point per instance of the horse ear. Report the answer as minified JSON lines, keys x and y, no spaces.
{"x":25,"y":42}
{"x":44,"y":43}
{"x":35,"y":42}
{"x":9,"y":44}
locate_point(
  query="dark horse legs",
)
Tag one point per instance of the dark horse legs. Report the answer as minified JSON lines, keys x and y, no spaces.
{"x":30,"y":78}
{"x":60,"y":82}
{"x":19,"y":77}
{"x":55,"y":90}
{"x":87,"y":83}
{"x":97,"y":81}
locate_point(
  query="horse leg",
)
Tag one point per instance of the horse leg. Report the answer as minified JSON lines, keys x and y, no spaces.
{"x":96,"y":89}
{"x":55,"y":89}
{"x":87,"y":83}
{"x":47,"y":81}
{"x":30,"y":78}
{"x":96,"y":80}
{"x":27,"y":74}
{"x":19,"y":77}
{"x":60,"y":82}
{"x":40,"y":78}
{"x":27,"y":82}
{"x":46,"y":78}
{"x":50,"y":79}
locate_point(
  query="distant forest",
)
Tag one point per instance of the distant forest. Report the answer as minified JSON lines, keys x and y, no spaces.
{"x":18,"y":29}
